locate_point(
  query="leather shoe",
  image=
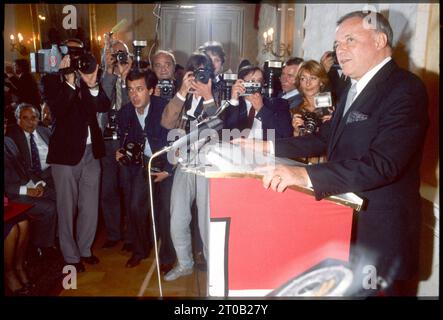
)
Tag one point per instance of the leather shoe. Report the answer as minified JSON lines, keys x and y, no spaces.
{"x":127,"y":247}
{"x":90,"y":260}
{"x":133,"y":262}
{"x":79,"y":266}
{"x":166,"y":267}
{"x":110,"y":244}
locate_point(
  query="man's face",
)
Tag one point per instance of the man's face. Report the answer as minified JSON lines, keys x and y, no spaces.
{"x":356,"y":47}
{"x":164,"y":67}
{"x":216,"y":62}
{"x":28,"y":120}
{"x":139,"y":95}
{"x":287,"y":77}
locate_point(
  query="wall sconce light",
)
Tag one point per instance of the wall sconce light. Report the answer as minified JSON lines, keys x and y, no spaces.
{"x":18,"y":46}
{"x":282,"y":51}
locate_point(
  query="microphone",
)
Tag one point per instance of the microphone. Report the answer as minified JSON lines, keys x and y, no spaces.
{"x":213,"y":123}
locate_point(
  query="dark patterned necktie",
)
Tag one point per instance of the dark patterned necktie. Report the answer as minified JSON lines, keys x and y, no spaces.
{"x":251,"y":117}
{"x":35,"y":158}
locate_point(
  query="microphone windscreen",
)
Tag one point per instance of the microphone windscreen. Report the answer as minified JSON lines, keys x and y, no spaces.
{"x":119,"y":26}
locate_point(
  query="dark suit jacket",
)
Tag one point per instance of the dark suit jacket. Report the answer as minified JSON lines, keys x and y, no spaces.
{"x":130,"y":129}
{"x":375,"y":152}
{"x":73,"y":112}
{"x":15,"y":173}
{"x":274,"y":115}
{"x":17,"y":134}
{"x":293,"y":101}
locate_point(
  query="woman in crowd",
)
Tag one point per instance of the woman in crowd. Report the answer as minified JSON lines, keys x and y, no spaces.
{"x":311,"y":80}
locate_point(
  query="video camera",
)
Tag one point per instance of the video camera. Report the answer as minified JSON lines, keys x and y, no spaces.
{"x":272,"y":73}
{"x":48,"y":60}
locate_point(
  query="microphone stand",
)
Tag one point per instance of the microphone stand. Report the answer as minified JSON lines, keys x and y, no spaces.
{"x":154,"y":230}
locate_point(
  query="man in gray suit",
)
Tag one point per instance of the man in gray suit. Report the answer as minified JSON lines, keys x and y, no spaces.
{"x":35,"y":185}
{"x":114,"y":85}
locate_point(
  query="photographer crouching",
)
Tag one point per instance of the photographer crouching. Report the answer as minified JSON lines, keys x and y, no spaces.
{"x":141,"y":136}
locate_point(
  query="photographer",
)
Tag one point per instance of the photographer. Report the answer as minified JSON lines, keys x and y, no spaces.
{"x":311,"y":79}
{"x":192,"y":101}
{"x":118,"y":63}
{"x":163,"y":64}
{"x":75,"y":147}
{"x":287,"y":80}
{"x":141,"y":136}
{"x":250,"y":110}
{"x":214,"y":50}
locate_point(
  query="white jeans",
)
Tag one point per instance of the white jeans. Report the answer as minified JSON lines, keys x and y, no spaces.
{"x":187,"y":187}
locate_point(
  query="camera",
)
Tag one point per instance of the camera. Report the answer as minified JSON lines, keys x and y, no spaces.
{"x":48,"y":60}
{"x":251,"y":88}
{"x":272,"y":73}
{"x":322,"y":102}
{"x":110,"y":131}
{"x":311,"y":123}
{"x":228,"y":81}
{"x":138,"y":48}
{"x":121,"y":57}
{"x":167,"y":88}
{"x":132,"y":154}
{"x":202,"y":75}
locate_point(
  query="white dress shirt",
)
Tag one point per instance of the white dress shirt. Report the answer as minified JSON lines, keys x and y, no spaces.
{"x":141,"y":120}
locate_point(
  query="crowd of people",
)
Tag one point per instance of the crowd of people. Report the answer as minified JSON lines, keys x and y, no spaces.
{"x":80,"y":146}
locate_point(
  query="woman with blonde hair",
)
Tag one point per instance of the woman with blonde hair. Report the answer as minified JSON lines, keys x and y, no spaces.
{"x":311,"y":79}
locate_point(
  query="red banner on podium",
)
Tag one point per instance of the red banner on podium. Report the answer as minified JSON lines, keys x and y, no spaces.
{"x":269,"y":237}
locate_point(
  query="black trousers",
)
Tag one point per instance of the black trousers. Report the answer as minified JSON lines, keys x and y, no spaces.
{"x":134,"y":182}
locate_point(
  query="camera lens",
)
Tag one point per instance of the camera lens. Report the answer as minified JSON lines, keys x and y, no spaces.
{"x":86,"y":63}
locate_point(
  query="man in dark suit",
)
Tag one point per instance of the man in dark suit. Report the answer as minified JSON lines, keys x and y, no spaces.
{"x":32,"y":141}
{"x":287,"y":79}
{"x":139,"y":123}
{"x":25,"y":85}
{"x":373,"y":144}
{"x":75,"y":147}
{"x":255,"y":112}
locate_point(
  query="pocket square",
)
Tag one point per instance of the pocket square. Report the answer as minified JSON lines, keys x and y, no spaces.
{"x":356,"y":116}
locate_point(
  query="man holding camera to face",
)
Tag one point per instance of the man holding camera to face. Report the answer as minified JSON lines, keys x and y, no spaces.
{"x":193,"y":101}
{"x":75,"y":147}
{"x":250,"y":110}
{"x":117,"y":65}
{"x":163,"y":64}
{"x":141,"y":136}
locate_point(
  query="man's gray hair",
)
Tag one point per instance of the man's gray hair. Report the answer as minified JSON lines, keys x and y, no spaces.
{"x":23,"y":106}
{"x":164,"y":52}
{"x":381,"y":23}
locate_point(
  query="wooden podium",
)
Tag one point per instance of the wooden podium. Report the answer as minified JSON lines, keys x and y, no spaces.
{"x":259,"y":239}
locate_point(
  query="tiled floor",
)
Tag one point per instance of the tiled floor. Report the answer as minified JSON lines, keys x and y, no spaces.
{"x":111,"y":278}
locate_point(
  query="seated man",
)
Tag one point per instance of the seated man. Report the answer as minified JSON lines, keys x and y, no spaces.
{"x":35,"y":185}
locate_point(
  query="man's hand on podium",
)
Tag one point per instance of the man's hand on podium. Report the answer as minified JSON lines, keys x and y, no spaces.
{"x":280,"y":177}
